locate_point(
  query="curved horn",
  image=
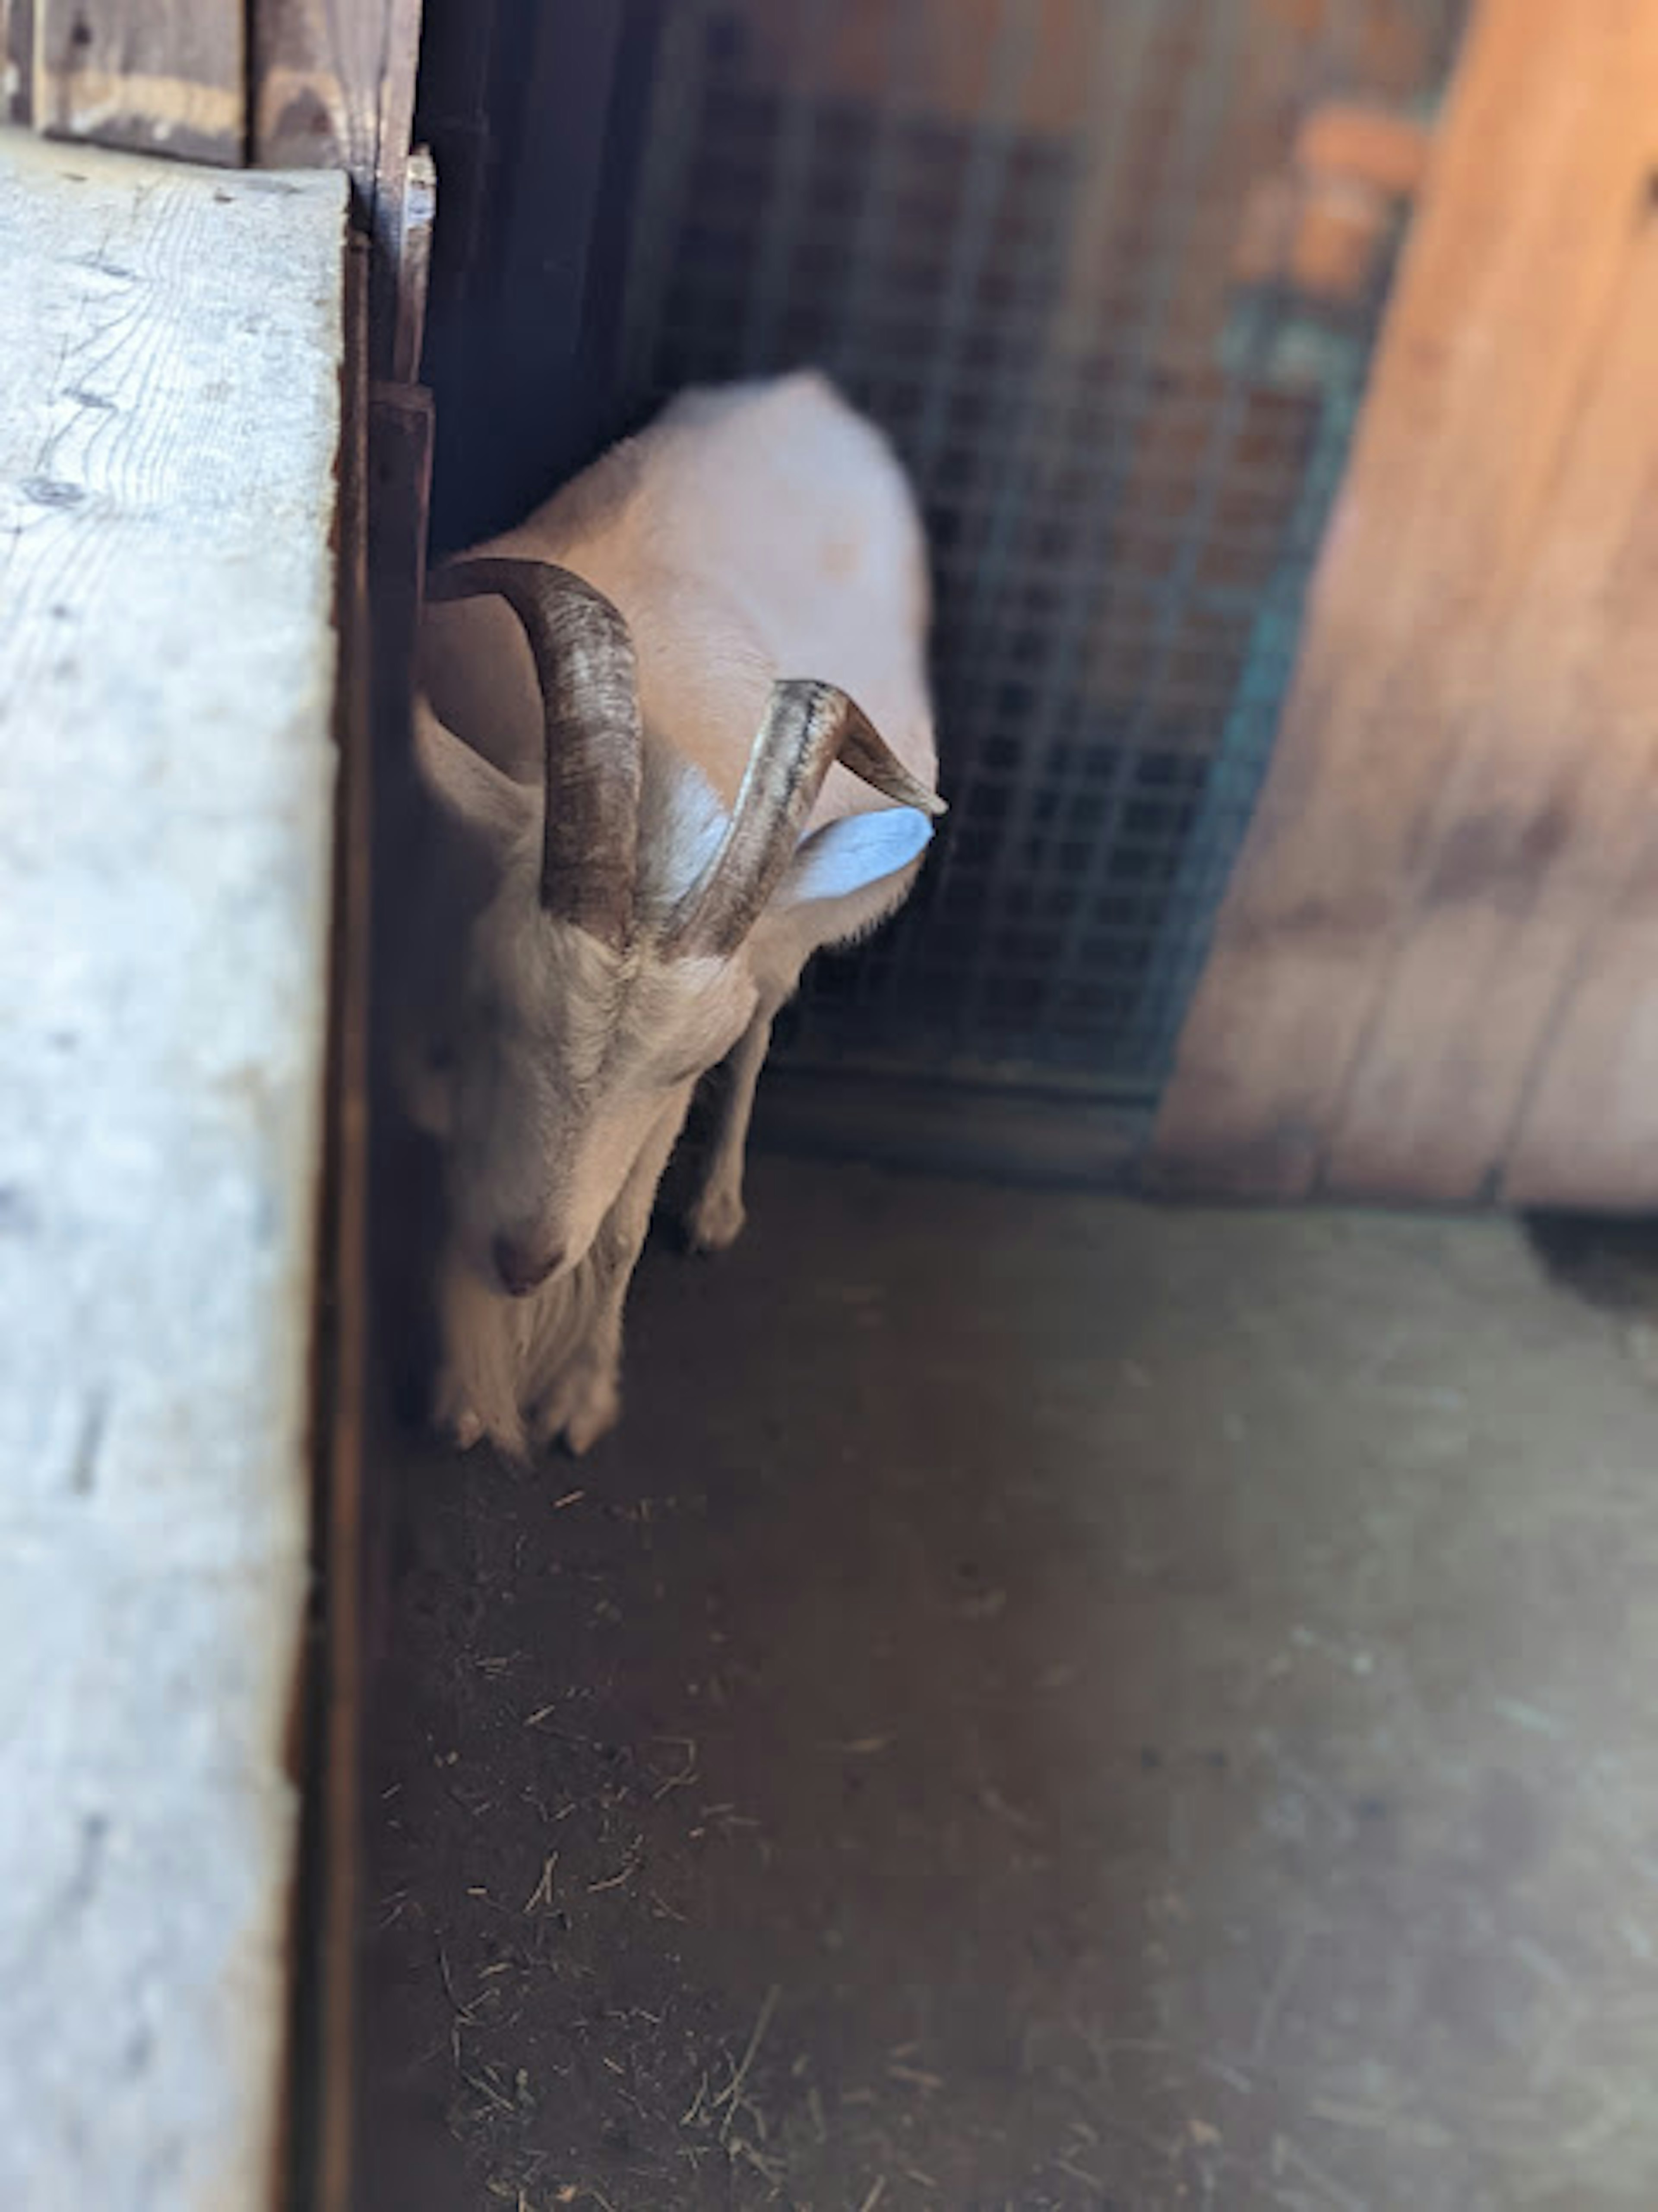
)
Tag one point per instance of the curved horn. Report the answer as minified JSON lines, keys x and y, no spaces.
{"x":808,"y":728}
{"x":583,"y":661}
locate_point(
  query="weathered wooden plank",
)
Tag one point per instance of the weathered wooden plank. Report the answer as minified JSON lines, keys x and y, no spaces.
{"x":328,"y":2042}
{"x":334,"y":87}
{"x":1509,"y":287}
{"x":386,"y":477}
{"x":416,"y":223}
{"x":1543,"y":805}
{"x":395,"y":97}
{"x":164,"y":76}
{"x":169,"y":423}
{"x":317,"y":84}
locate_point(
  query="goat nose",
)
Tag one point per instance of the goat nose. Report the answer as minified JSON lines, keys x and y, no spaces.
{"x":523,"y":1267}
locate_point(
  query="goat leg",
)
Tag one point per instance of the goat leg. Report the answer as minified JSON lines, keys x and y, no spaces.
{"x":582,"y":1398}
{"x":715,"y":1216}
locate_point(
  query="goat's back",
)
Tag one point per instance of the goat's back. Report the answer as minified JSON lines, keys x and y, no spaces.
{"x":751,"y":531}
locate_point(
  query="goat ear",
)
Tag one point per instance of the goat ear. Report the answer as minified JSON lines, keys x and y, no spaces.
{"x":853,"y":854}
{"x":493,"y":812}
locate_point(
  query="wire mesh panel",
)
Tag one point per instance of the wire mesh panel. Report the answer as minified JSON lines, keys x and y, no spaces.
{"x":1013,"y":230}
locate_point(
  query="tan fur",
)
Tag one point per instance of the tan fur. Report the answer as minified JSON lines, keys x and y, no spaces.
{"x":750,"y":534}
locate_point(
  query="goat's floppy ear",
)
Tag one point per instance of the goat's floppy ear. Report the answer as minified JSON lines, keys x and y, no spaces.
{"x":492,"y":811}
{"x":853,"y":854}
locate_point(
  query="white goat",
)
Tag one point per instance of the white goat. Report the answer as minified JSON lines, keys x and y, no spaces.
{"x":647,"y":836}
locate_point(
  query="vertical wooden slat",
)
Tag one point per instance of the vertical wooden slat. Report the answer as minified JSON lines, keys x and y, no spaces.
{"x":534,"y":116}
{"x":386,"y":493}
{"x":1542,"y":809}
{"x":403,"y":205}
{"x":334,"y":86}
{"x":411,"y":259}
{"x":1423,"y":795}
{"x":386,"y":481}
{"x":162,"y":76}
{"x":317,"y":70}
{"x":329,"y":2040}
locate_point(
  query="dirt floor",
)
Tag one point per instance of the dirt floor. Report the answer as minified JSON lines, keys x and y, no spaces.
{"x":1044,"y":1704}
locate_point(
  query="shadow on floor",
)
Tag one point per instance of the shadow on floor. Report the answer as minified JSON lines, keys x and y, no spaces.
{"x":1044,"y":1704}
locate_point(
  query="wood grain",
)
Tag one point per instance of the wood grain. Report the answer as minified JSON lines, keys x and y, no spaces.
{"x":169,"y":429}
{"x":334,"y":87}
{"x":1542,"y":806}
{"x":335,"y":84}
{"x":409,"y":255}
{"x":163,"y":76}
{"x":317,"y":67}
{"x":1419,"y":785}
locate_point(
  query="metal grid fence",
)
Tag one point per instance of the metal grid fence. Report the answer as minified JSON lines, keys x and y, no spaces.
{"x":1008,"y":228}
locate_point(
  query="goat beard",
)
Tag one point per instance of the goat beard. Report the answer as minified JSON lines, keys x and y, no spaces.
{"x":503,"y":1359}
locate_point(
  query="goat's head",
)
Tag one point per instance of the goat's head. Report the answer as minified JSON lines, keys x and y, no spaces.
{"x":611,"y":965}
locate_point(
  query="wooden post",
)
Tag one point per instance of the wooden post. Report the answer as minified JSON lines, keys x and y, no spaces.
{"x":323,"y":2069}
{"x":335,"y":87}
{"x":1422,"y":963}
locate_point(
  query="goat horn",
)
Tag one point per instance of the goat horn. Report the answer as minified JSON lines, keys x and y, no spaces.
{"x":808,"y":728}
{"x":584,"y":662}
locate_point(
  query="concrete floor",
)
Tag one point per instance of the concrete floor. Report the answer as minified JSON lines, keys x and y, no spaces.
{"x":1044,"y":1704}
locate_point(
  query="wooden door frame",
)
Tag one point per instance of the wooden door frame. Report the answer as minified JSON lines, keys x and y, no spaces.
{"x":1429,"y":977}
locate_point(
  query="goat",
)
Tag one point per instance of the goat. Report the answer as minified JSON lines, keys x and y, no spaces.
{"x":658,"y":720}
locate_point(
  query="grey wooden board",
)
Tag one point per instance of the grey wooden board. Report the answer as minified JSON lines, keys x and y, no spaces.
{"x":169,"y":420}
